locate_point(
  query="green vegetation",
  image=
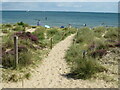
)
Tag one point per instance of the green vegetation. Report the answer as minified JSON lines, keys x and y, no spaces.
{"x":32,"y":48}
{"x":88,"y":46}
{"x":59,"y":34}
{"x":82,"y":57}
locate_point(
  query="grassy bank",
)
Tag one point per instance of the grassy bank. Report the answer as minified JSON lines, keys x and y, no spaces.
{"x":89,"y":46}
{"x":33,"y":47}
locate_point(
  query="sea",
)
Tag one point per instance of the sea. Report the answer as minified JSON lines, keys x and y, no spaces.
{"x":61,"y":18}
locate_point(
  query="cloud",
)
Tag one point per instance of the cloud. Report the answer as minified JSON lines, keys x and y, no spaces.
{"x":76,"y":5}
{"x":62,"y":6}
{"x":60,"y":0}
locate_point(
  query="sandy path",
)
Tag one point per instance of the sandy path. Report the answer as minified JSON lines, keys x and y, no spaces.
{"x":49,"y":73}
{"x":104,"y":34}
{"x":30,"y":30}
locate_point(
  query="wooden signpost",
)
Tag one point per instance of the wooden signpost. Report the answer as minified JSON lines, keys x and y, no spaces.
{"x":16,"y":50}
{"x":51,"y":41}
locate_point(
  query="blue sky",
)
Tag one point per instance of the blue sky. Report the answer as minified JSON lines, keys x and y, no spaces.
{"x":63,"y":6}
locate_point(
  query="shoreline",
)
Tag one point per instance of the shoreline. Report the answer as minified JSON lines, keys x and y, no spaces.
{"x":81,"y":26}
{"x":58,"y":11}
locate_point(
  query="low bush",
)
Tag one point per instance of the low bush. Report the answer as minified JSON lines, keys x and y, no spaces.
{"x":22,"y":24}
{"x":52,"y":32}
{"x":6,"y":25}
{"x":27,"y":75}
{"x":39,"y":33}
{"x":27,"y":35}
{"x":8,"y":60}
{"x":25,"y":58}
{"x":84,"y":35}
{"x":82,"y":68}
{"x":117,"y":44}
{"x":98,"y":53}
{"x":85,"y":69}
{"x":7,"y":41}
{"x":100,"y":29}
{"x":100,"y":44}
{"x":112,"y":34}
{"x":19,"y":28}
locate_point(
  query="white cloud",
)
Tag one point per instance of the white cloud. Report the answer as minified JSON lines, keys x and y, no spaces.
{"x":60,"y":0}
{"x":77,"y":6}
{"x":69,"y":5}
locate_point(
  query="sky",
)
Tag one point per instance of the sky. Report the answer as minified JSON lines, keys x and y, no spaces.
{"x":60,"y":0}
{"x":55,"y":5}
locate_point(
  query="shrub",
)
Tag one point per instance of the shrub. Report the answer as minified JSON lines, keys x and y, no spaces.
{"x":52,"y":32}
{"x":22,"y":24}
{"x":39,"y":33}
{"x":112,"y":33}
{"x":25,"y":58}
{"x":73,"y":53}
{"x":5,"y":31}
{"x":81,"y":68}
{"x":33,"y":38}
{"x":85,"y":69}
{"x":18,"y":28}
{"x":92,"y":46}
{"x":100,"y":29}
{"x":22,"y":49}
{"x":13,"y":78}
{"x":110,"y":46}
{"x":7,"y":41}
{"x":8,"y":60}
{"x":100,"y":43}
{"x":117,"y":44}
{"x":99,"y":53}
{"x":21,"y":35}
{"x":27,"y":35}
{"x":8,"y":25}
{"x":27,"y":75}
{"x":84,"y":35}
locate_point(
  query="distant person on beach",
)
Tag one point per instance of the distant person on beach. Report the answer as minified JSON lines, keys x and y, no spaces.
{"x":45,"y":18}
{"x":69,"y":26}
{"x":38,"y":23}
{"x":84,"y":25}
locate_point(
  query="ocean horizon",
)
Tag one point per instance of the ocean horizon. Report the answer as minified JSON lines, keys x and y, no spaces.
{"x":61,"y":18}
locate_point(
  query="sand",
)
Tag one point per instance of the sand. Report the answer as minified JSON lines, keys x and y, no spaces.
{"x":30,"y":30}
{"x":50,"y":74}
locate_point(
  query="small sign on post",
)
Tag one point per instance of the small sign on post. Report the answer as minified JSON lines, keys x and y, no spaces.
{"x":16,"y":50}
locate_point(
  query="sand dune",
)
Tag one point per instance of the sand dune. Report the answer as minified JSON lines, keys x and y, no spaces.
{"x":50,"y":73}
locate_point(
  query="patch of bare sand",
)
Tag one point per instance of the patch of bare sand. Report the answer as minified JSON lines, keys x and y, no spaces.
{"x":30,"y":30}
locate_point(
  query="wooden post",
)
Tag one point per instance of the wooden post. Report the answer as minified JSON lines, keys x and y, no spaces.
{"x":51,"y":41}
{"x":16,"y":50}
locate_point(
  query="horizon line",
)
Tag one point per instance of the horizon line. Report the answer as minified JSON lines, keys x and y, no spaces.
{"x":60,"y":11}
